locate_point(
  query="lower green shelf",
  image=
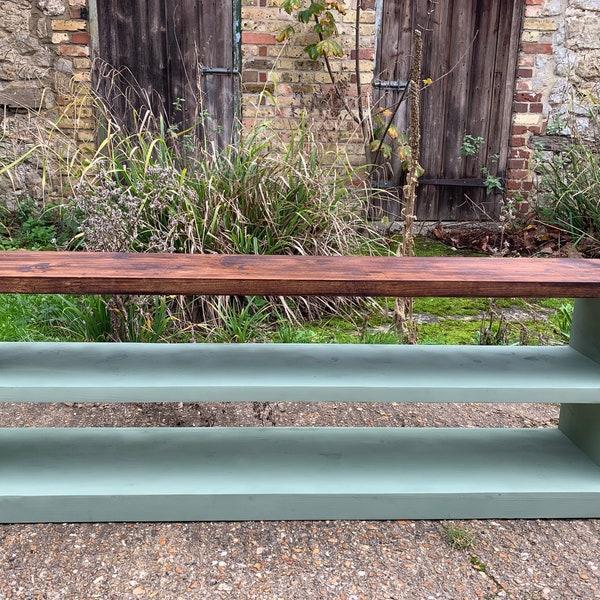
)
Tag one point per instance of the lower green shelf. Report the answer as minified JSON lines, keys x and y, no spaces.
{"x":199,"y":474}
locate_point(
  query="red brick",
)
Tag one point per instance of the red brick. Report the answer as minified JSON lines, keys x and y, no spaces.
{"x":520,"y":153}
{"x":526,"y":60}
{"x":532,"y":2}
{"x":260,"y":39}
{"x":519,"y":129}
{"x":518,"y":142}
{"x":528,"y":97}
{"x":262,"y":51}
{"x":518,"y":174}
{"x":536,"y":48}
{"x":524,"y":85}
{"x":363,"y":53}
{"x":521,"y":107}
{"x":80,"y":38}
{"x":249,"y":76}
{"x":536,"y":107}
{"x":517,"y":163}
{"x":525,"y":72}
{"x":70,"y":50}
{"x":511,"y":184}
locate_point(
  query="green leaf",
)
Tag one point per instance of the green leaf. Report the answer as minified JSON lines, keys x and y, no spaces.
{"x":326,"y":25}
{"x":329,"y":48}
{"x":291,"y":5}
{"x":404,"y":153}
{"x":286,"y":34}
{"x":305,"y":15}
{"x":393,"y":132}
{"x":379,"y":146}
{"x":312,"y":51}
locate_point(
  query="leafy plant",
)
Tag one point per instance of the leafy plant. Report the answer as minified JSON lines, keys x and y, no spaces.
{"x":491,"y":182}
{"x":142,"y":193}
{"x":30,"y":317}
{"x":471,"y":145}
{"x":117,"y":319}
{"x":380,"y":135}
{"x":240,"y":324}
{"x":320,"y":12}
{"x":563,"y":320}
{"x":28,"y":225}
{"x":458,"y":537}
{"x":569,"y":191}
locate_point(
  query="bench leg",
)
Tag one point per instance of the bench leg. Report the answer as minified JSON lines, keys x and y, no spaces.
{"x":581,"y":422}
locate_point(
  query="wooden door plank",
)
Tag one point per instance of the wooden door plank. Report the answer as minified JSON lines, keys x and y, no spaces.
{"x":433,"y":103}
{"x":216,"y":51}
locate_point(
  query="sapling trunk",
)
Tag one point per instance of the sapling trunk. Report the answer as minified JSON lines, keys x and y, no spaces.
{"x":403,"y":309}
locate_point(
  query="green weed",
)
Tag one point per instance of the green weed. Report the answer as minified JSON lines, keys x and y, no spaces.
{"x":458,"y":537}
{"x":31,"y":318}
{"x":570,"y":187}
{"x":123,"y":319}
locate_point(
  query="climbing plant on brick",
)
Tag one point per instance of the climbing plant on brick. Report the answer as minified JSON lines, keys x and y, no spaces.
{"x":380,"y":135}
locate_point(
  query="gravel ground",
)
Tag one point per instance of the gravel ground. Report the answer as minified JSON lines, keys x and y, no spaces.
{"x":344,"y":560}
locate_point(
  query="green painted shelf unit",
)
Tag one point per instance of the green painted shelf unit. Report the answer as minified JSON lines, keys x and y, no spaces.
{"x":193,"y":474}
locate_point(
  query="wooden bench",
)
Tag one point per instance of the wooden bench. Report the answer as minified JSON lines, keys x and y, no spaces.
{"x":148,"y":474}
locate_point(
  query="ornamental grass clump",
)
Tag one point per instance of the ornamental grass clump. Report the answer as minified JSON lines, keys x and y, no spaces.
{"x":258,"y":197}
{"x":570,"y":187}
{"x":159,"y":190}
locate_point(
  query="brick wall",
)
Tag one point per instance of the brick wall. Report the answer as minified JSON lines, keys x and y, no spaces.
{"x":557,"y":69}
{"x":71,"y":37}
{"x":297,"y":85}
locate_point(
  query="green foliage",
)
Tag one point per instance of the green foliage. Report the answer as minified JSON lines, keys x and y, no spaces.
{"x":458,"y":537}
{"x":569,"y":196}
{"x":320,"y":13}
{"x":30,"y":318}
{"x":563,"y":320}
{"x":380,"y":135}
{"x":259,"y":197}
{"x":491,"y":182}
{"x":117,"y":319}
{"x":147,"y":192}
{"x":471,"y":145}
{"x":556,"y":126}
{"x":241,"y":324}
{"x":31,"y":226}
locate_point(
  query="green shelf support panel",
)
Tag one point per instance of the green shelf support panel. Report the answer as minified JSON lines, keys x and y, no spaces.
{"x":195,"y":474}
{"x":581,"y":422}
{"x":80,"y":372}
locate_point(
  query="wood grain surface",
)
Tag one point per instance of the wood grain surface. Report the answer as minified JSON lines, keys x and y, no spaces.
{"x":121,"y":273}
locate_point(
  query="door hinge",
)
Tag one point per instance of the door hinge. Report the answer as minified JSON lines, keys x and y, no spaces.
{"x":218,"y":71}
{"x":390,"y":85}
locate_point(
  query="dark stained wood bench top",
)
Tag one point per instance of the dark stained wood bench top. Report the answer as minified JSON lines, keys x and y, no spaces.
{"x":104,"y":273}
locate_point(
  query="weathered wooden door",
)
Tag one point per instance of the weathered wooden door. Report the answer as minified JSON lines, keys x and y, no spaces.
{"x":470,"y":54}
{"x":177,"y":58}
